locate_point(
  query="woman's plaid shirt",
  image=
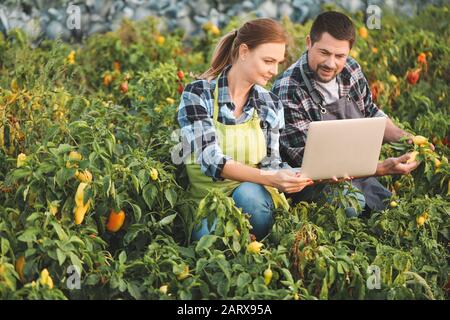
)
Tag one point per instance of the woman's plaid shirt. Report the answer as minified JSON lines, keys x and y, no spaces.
{"x":195,"y":117}
{"x":300,"y":109}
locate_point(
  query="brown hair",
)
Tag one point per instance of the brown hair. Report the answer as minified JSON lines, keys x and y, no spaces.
{"x":336,"y":24}
{"x":253,"y":33}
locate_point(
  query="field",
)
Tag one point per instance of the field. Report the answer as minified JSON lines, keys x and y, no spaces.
{"x":92,"y":207}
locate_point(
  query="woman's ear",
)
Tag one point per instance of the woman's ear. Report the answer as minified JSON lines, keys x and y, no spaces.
{"x":243,"y":51}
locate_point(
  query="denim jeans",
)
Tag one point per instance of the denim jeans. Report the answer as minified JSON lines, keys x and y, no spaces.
{"x":323,"y":192}
{"x":254,"y":200}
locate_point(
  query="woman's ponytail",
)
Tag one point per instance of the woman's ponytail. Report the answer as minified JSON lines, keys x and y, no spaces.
{"x":222,"y":56}
{"x":253,"y":33}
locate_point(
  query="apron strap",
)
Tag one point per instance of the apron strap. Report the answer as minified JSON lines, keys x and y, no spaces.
{"x":216,"y":100}
{"x":255,"y":112}
{"x":317,"y":100}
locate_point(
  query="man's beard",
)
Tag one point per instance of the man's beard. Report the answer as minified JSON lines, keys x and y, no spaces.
{"x":317,"y":77}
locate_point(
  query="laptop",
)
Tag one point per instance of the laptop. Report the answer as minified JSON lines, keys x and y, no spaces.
{"x":343,"y":148}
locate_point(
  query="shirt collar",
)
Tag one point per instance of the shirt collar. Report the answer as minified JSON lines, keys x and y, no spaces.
{"x":224,"y":95}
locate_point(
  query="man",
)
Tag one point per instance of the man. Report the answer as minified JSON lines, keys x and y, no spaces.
{"x":327,"y":84}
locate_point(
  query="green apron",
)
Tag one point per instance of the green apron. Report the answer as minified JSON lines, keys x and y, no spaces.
{"x":244,"y":142}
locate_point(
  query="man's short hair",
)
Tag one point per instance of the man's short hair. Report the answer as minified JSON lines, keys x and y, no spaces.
{"x":337,"y":24}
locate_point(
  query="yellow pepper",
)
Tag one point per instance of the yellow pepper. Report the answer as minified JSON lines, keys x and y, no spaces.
{"x":21,"y":158}
{"x":254,"y":247}
{"x":84,"y":176}
{"x":268,"y":276}
{"x":154,"y":174}
{"x":420,"y":140}
{"x":20,"y":264}
{"x":45,"y":279}
{"x":184,"y":274}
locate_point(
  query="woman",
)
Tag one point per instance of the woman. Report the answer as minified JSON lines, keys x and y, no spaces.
{"x":231,"y":126}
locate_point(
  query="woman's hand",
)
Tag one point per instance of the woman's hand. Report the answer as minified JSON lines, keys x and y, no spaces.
{"x":286,"y":180}
{"x":334,"y":180}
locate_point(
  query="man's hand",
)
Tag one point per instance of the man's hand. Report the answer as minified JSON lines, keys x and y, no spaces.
{"x":396,"y":166}
{"x":411,"y":141}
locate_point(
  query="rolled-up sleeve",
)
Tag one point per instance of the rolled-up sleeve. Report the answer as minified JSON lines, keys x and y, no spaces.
{"x":198,"y":133}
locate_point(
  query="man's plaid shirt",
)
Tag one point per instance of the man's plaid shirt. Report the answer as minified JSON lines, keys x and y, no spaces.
{"x":300,"y":109}
{"x":195,"y":117}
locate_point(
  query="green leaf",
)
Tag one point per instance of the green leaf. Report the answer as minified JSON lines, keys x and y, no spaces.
{"x":106,"y":185}
{"x":402,"y":261}
{"x":75,"y":239}
{"x":205,"y":242}
{"x":46,"y":167}
{"x":25,"y":192}
{"x":225,"y":267}
{"x":134,"y":290}
{"x":236,"y":246}
{"x":340,"y":268}
{"x":287,"y":274}
{"x":76,"y":261}
{"x":21,"y":173}
{"x":171,"y":196}
{"x":149,"y":194}
{"x":59,"y":231}
{"x":112,"y":192}
{"x":136,"y":211}
{"x":324,"y":291}
{"x":5,"y":246}
{"x":29,"y":235}
{"x":223,"y":288}
{"x":109,"y":146}
{"x":34,"y":216}
{"x":64,"y":148}
{"x":122,"y":285}
{"x":61,"y":256}
{"x":122,"y":257}
{"x":331,"y":275}
{"x":143,"y":177}
{"x":229,"y":228}
{"x":167,"y":220}
{"x":93,"y":279}
{"x":243,"y":279}
{"x":340,"y":218}
{"x":135,"y":182}
{"x":133,"y":232}
{"x":63,"y":175}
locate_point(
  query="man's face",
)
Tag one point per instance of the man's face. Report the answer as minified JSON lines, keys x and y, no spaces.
{"x":326,"y":58}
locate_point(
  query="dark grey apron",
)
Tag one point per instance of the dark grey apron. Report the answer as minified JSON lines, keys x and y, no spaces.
{"x":345,"y":108}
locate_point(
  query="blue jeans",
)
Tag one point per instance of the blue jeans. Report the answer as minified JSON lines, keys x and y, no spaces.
{"x":254,"y":200}
{"x":350,"y":211}
{"x":319,"y":192}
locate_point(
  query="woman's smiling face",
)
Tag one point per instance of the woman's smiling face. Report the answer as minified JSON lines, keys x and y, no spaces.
{"x":261,"y":63}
